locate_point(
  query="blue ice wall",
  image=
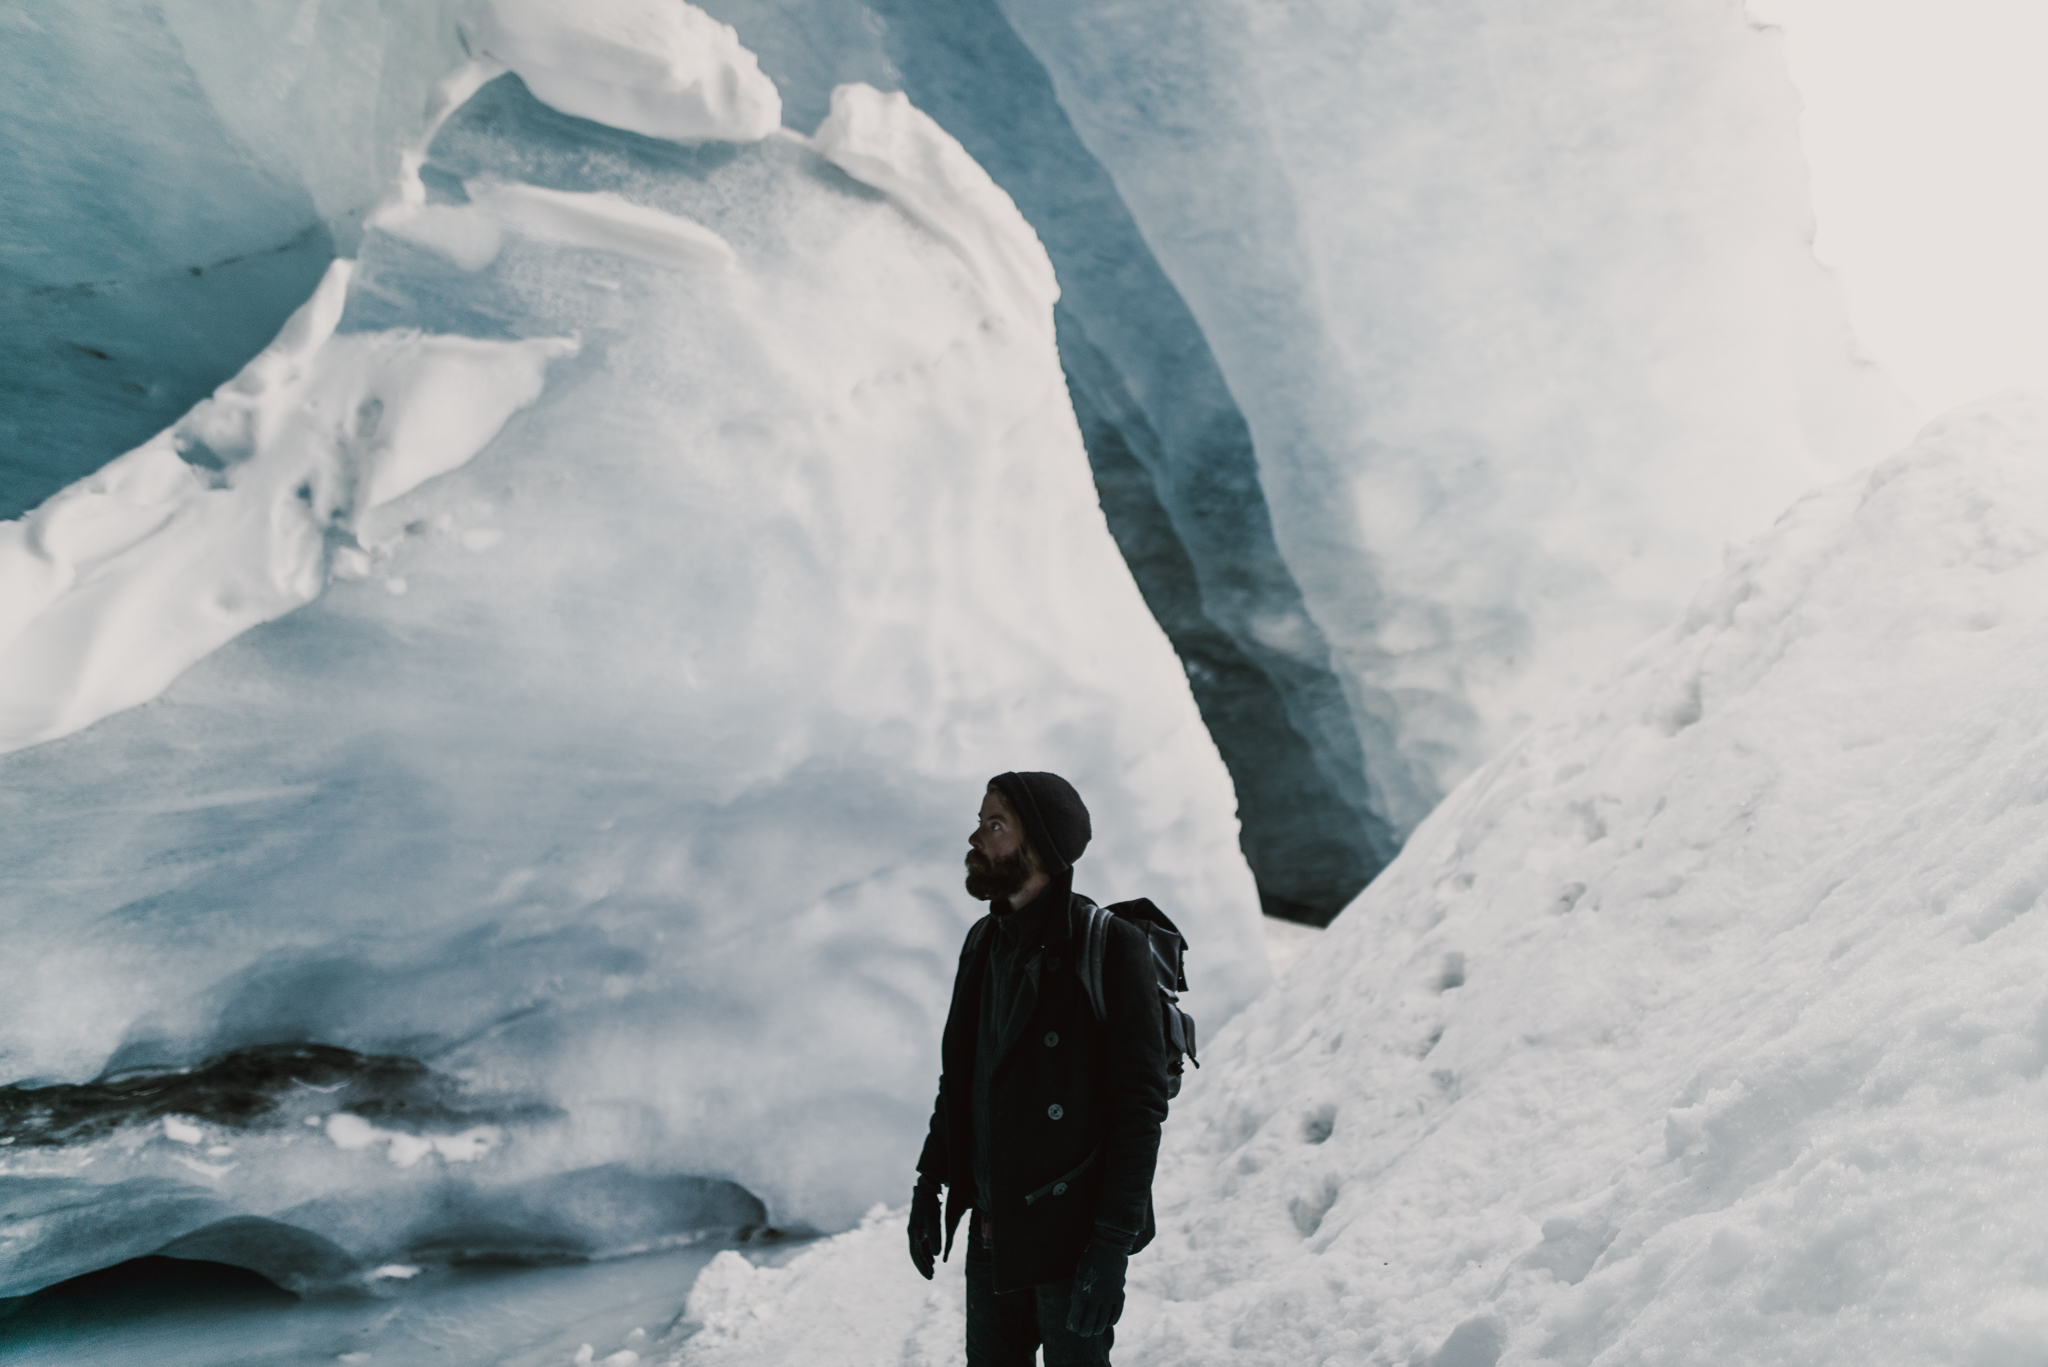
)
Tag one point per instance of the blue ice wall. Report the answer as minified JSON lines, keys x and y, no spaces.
{"x":144,"y":257}
{"x":1172,"y":455}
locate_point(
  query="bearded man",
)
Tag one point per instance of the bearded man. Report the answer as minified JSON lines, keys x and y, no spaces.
{"x":1047,"y":1121}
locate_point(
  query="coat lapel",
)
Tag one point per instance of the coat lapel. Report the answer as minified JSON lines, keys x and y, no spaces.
{"x":1020,"y":1010}
{"x":1027,"y":991}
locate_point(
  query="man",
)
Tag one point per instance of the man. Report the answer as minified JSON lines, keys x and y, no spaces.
{"x":1047,"y":1121}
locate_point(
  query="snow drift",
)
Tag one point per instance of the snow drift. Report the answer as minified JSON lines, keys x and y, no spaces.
{"x":689,"y":529}
{"x":1705,"y":1024}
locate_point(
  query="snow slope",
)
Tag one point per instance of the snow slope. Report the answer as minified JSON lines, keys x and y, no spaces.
{"x":689,"y":530}
{"x":1705,"y":1024}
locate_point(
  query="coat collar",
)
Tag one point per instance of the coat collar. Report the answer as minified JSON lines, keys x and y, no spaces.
{"x":1051,"y":922}
{"x":1046,"y":917}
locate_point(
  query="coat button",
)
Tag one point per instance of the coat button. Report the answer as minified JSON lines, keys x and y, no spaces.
{"x":1059,"y":1188}
{"x":1052,"y":1037}
{"x":1055,"y":1110}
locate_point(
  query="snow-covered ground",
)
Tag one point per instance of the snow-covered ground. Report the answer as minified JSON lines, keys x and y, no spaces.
{"x":1705,"y":1024}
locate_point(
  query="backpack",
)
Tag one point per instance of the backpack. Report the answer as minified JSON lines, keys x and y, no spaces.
{"x":1168,"y":946}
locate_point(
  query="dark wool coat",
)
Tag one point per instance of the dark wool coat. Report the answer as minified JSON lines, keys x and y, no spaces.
{"x":1075,"y":1103}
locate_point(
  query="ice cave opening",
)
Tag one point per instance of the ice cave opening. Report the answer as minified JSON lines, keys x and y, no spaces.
{"x":528,"y":526}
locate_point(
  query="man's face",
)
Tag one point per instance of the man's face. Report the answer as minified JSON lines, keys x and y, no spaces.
{"x":996,"y":866}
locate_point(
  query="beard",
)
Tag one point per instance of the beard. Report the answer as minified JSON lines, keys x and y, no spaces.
{"x":991,"y":879}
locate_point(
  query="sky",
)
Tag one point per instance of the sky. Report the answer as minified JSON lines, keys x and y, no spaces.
{"x":1926,"y":129}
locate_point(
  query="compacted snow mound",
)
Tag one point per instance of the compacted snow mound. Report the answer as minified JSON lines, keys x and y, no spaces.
{"x":690,"y":531}
{"x":853,"y":1299}
{"x":1705,"y":1024}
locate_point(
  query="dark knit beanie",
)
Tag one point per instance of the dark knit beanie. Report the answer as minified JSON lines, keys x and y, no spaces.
{"x":1055,"y":819}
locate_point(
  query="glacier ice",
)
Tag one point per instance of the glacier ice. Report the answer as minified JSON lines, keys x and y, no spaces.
{"x":1518,"y":304}
{"x":1423,"y":356}
{"x":1172,"y":456}
{"x":617,"y":772}
{"x":666,"y":70}
{"x":526,"y":1317}
{"x":1743,"y":1055}
{"x":144,"y":256}
{"x":1498,"y":325}
{"x":121,"y":582}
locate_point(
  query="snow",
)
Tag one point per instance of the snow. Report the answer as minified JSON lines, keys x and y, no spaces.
{"x":882,"y":140}
{"x":1287,"y":941}
{"x":1701,"y":1025}
{"x":850,"y":1300}
{"x":219,"y":523}
{"x":570,"y":657}
{"x":657,"y":67}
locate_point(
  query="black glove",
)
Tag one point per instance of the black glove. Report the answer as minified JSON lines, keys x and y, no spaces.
{"x":927,"y":1227}
{"x":1098,"y":1288}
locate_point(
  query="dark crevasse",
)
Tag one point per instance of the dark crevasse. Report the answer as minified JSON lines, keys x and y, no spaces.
{"x":1172,"y":455}
{"x":1310,"y":840}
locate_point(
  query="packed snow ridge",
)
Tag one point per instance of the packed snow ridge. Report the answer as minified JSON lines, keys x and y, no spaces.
{"x":1705,"y":1024}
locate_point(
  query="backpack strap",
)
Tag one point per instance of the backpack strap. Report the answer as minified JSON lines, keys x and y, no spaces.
{"x":1094,"y":944}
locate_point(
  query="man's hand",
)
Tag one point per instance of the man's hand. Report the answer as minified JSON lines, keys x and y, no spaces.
{"x":927,"y":1226}
{"x":1098,"y":1288}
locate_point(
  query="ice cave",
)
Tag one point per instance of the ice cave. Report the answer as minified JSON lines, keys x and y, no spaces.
{"x":530,"y":523}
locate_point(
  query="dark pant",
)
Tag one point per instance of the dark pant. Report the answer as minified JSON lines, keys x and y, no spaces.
{"x":1003,"y":1329}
